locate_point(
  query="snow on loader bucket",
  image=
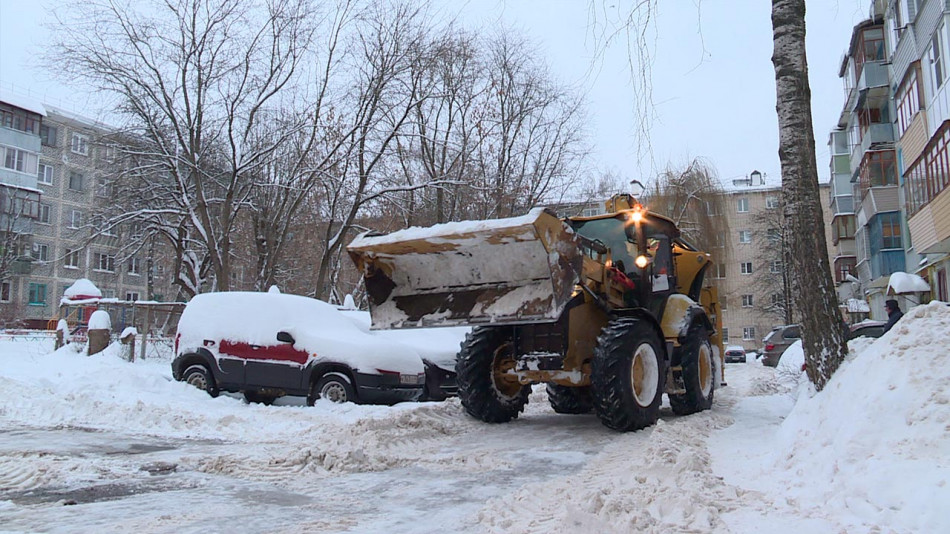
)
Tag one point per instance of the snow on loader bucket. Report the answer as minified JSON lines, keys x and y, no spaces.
{"x":504,"y":271}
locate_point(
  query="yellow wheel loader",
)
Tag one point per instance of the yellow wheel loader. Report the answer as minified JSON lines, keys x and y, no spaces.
{"x":609,"y":311}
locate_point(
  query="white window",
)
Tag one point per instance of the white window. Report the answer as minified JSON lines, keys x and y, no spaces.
{"x":108,"y":293}
{"x":748,"y":333}
{"x":75,"y":181}
{"x":725,"y":334}
{"x":775,"y":267}
{"x":80,"y":144}
{"x":105,"y":262}
{"x":18,"y":160}
{"x":745,"y":236}
{"x":135,"y":266}
{"x":75,"y":219}
{"x":936,"y":60}
{"x":774,"y":235}
{"x":723,"y":303}
{"x":108,"y":152}
{"x":104,"y":188}
{"x":776,"y":299}
{"x":44,"y":174}
{"x":40,"y":252}
{"x":742,"y":205}
{"x":71,"y":261}
{"x":745,"y":267}
{"x":721,"y":239}
{"x":771,"y":202}
{"x":746,"y":301}
{"x":5,"y":290}
{"x":131,"y":295}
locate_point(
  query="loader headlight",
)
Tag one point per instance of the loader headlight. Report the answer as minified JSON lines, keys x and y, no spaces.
{"x":642,"y":261}
{"x":636,"y":216}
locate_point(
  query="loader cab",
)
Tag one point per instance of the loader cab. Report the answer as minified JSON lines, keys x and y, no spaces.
{"x":640,"y":245}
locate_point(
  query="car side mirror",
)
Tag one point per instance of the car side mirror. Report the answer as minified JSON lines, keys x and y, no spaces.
{"x":285,"y":337}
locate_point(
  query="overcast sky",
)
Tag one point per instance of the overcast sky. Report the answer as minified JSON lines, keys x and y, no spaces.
{"x":712,"y":78}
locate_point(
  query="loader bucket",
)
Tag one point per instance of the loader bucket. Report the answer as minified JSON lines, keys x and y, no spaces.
{"x":504,"y":271}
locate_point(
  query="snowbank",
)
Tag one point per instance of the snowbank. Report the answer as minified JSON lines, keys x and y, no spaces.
{"x":901,"y":282}
{"x":82,"y":289}
{"x":875,"y":443}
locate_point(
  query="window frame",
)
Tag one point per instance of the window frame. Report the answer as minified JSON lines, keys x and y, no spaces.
{"x":79,"y":144}
{"x":745,"y":236}
{"x":33,"y":294}
{"x":748,"y":333}
{"x":71,"y":259}
{"x":42,"y":176}
{"x":748,"y":301}
{"x":742,"y":205}
{"x":742,"y":267}
{"x":104,"y":262}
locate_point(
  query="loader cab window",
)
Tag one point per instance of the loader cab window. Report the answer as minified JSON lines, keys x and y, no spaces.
{"x":615,"y":235}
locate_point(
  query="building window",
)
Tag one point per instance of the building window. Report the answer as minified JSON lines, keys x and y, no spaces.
{"x":936,"y":59}
{"x":774,"y":235}
{"x":40,"y":252}
{"x":908,"y":99}
{"x":44,"y":213}
{"x":18,"y":120}
{"x":725,"y":334}
{"x":48,"y":135}
{"x":105,"y":262}
{"x":19,"y":160}
{"x":720,"y":270}
{"x":37,"y":294}
{"x":930,"y":174}
{"x":748,"y":333}
{"x":745,"y":267}
{"x":723,"y":303}
{"x":745,"y":236}
{"x":742,"y":205}
{"x":80,"y":144}
{"x":134,"y":266}
{"x":71,"y":260}
{"x":891,"y":230}
{"x":75,"y":219}
{"x":108,"y":152}
{"x":844,"y":267}
{"x":878,"y":169}
{"x":44,"y":174}
{"x":775,"y":266}
{"x":75,"y":181}
{"x":5,"y":291}
{"x":131,"y":295}
{"x":746,"y":301}
{"x":771,"y":202}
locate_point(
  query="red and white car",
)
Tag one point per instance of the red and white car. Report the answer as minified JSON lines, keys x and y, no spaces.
{"x":267,"y":345}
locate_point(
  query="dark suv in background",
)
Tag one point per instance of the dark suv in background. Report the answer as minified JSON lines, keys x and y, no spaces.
{"x":776,"y":341}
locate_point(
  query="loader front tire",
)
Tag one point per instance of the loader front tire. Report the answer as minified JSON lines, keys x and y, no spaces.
{"x":485,"y":390}
{"x":566,"y":399}
{"x":627,"y":374}
{"x":699,"y":373}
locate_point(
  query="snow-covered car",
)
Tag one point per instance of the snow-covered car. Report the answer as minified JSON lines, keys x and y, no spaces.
{"x":268,"y":345}
{"x":735,"y":354}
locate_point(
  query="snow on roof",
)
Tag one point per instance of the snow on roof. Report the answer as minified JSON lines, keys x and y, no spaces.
{"x":23,"y":102}
{"x":446,"y":229}
{"x":317,"y":327}
{"x":82,"y":288}
{"x":858,"y":306}
{"x":901,"y":282}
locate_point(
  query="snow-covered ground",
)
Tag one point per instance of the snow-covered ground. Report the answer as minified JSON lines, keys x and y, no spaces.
{"x":100,"y":444}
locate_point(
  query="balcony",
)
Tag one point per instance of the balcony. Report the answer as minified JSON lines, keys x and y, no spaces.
{"x":879,"y":136}
{"x":930,"y":227}
{"x":873,"y":87}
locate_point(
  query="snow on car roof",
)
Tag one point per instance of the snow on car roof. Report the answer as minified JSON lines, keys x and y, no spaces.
{"x":439,"y":345}
{"x":317,"y":327}
{"x":735,"y":347}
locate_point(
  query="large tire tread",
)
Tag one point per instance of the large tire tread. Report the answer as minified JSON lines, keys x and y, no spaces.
{"x":693,"y":400}
{"x":477,"y":391}
{"x":570,"y":400}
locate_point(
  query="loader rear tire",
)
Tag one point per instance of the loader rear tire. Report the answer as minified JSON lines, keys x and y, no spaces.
{"x":699,"y":373}
{"x":566,"y":399}
{"x":484,"y":389}
{"x":627,"y":374}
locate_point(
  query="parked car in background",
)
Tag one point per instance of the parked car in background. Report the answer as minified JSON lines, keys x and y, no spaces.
{"x":735,"y":354}
{"x":267,"y":345}
{"x":776,"y":341}
{"x":867,"y":329}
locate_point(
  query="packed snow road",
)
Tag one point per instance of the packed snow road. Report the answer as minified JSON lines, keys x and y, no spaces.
{"x":96,"y":444}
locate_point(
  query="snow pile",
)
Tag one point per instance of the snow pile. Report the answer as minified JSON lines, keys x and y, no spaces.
{"x":872,"y":448}
{"x":451,"y":229}
{"x":437,"y":345}
{"x":82,"y":289}
{"x":99,"y":320}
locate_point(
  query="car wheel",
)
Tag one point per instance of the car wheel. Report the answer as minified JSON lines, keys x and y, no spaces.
{"x":198,"y":375}
{"x":333,"y":386}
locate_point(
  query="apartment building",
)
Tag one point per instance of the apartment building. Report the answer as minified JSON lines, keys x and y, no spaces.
{"x":918,"y":36}
{"x":65,"y":174}
{"x":749,"y":272}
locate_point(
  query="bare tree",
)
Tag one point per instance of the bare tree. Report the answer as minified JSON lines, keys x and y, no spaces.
{"x":771,"y":275}
{"x":18,"y":208}
{"x":694,"y":199}
{"x":196,"y":80}
{"x":823,"y":331}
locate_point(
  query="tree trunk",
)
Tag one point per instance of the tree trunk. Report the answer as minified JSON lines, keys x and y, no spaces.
{"x":823,"y":335}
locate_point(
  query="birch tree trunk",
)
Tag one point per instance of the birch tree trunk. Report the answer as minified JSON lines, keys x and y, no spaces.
{"x":823,"y":335}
